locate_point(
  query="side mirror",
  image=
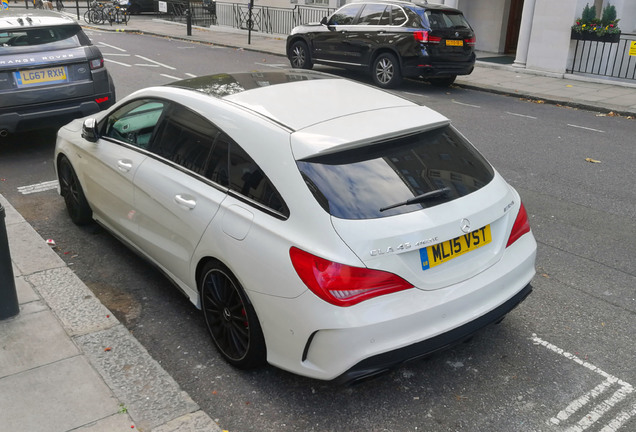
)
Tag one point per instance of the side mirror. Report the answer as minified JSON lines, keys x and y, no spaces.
{"x":323,"y":21}
{"x":89,"y":130}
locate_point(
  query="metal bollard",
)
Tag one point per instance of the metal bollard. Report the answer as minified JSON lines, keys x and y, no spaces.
{"x":9,"y":306}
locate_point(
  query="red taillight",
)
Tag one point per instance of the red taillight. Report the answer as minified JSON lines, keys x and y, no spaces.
{"x":471,"y":41}
{"x":96,"y":63}
{"x":520,"y":227}
{"x":101,"y":100}
{"x":424,"y":36}
{"x":340,"y":284}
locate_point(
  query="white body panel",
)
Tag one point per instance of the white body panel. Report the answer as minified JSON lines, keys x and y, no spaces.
{"x":179,"y":220}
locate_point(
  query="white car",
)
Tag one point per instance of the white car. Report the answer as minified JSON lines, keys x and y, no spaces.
{"x":324,"y":226}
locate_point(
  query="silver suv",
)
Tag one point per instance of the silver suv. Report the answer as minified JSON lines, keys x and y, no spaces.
{"x":50,"y":73}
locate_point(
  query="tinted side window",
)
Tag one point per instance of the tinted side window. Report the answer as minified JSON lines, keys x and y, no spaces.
{"x":185,"y":138}
{"x":398,"y":17}
{"x":374,"y":14}
{"x":345,"y":15}
{"x":134,"y":123}
{"x":231,"y":166}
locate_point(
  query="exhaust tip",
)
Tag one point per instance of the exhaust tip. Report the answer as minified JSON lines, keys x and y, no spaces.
{"x":4,"y":133}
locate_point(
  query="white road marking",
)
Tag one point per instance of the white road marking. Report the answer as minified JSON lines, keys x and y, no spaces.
{"x":155,"y":62}
{"x":116,"y":55}
{"x":274,"y":65}
{"x":586,"y":128}
{"x":113,"y":47}
{"x":465,"y":104}
{"x":521,"y":115}
{"x":191,"y":75}
{"x":171,"y":77}
{"x":147,"y":65}
{"x":602,"y":407}
{"x":38,"y":187}
{"x":116,"y":62}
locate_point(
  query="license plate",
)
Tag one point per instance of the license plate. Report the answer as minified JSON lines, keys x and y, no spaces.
{"x":33,"y":77}
{"x":440,"y":253}
{"x":450,"y":42}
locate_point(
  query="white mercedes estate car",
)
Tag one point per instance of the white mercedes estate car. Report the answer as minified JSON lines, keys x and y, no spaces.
{"x":329,"y":228}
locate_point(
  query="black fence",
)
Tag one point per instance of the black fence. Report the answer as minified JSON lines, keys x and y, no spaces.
{"x":263,"y":18}
{"x":616,"y":59}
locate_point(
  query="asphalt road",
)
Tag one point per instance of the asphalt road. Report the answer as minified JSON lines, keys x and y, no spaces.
{"x":563,"y":360}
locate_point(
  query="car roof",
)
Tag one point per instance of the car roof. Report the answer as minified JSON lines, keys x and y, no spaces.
{"x":12,"y":19}
{"x":318,"y":109}
{"x":420,"y":3}
{"x":294,"y":98}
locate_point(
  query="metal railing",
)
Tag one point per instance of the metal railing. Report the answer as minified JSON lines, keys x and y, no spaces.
{"x":264,"y":18}
{"x":608,"y":59}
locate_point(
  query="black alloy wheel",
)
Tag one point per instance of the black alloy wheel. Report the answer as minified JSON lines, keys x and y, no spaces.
{"x":78,"y":208}
{"x":386,"y":71}
{"x":231,"y":319}
{"x":299,"y":56}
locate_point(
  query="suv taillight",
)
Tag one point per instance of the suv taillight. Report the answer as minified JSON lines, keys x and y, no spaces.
{"x":424,"y":36}
{"x":471,"y":41}
{"x":520,"y":227}
{"x":97,"y":63}
{"x":340,"y":284}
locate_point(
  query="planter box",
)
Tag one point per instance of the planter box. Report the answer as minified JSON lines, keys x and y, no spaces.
{"x":611,"y":38}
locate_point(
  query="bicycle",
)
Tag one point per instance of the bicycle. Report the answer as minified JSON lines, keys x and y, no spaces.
{"x":117,"y":13}
{"x":95,"y":13}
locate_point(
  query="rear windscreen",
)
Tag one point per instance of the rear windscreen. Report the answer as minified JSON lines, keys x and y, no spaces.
{"x":42,"y":38}
{"x":443,"y":20}
{"x":375,"y":181}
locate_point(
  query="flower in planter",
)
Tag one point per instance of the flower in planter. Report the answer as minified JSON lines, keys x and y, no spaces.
{"x":588,"y":23}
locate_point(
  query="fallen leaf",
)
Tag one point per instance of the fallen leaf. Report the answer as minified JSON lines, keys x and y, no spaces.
{"x":107,"y":349}
{"x":592,"y":160}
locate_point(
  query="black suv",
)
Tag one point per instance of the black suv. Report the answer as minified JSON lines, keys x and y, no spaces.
{"x":391,"y":39}
{"x":50,"y":72}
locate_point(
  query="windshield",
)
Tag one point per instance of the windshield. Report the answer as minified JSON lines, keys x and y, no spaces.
{"x":25,"y":40}
{"x":367,"y":182}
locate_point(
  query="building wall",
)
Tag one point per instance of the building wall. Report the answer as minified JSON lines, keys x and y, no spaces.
{"x":550,"y":37}
{"x":489,"y":19}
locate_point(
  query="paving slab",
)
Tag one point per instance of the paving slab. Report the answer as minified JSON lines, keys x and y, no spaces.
{"x":58,"y":397}
{"x":32,"y":340}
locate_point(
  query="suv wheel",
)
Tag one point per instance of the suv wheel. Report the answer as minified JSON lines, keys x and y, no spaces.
{"x":386,"y":71}
{"x":299,"y":56}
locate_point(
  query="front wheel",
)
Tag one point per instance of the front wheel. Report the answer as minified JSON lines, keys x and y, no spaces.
{"x":71,"y":190}
{"x":299,"y":56}
{"x":230,"y":318}
{"x":386,"y":71}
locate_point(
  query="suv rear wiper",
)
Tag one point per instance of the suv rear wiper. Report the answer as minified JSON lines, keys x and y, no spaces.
{"x":418,"y":199}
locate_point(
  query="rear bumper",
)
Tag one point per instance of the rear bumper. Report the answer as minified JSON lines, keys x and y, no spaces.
{"x":424,"y":67}
{"x":52,"y":115}
{"x":384,"y":362}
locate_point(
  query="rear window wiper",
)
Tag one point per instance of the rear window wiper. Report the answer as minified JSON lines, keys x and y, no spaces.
{"x":418,"y":199}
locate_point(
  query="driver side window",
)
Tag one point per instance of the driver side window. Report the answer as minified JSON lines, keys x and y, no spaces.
{"x":134,"y":123}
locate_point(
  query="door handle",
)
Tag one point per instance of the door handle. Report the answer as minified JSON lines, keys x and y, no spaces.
{"x":124,"y":165}
{"x":185,"y":201}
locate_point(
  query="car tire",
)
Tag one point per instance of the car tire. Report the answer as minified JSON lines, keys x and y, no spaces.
{"x":443,"y":82}
{"x":385,"y":71}
{"x":230,"y":318}
{"x":71,"y":190}
{"x":299,"y":56}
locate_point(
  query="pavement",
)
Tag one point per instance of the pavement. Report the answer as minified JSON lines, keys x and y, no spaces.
{"x":68,"y":364}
